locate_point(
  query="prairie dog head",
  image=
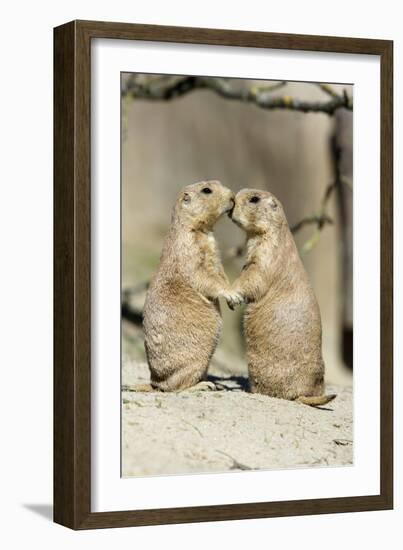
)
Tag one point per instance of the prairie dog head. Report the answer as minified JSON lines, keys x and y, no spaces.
{"x":257,"y":212}
{"x":201,"y":204}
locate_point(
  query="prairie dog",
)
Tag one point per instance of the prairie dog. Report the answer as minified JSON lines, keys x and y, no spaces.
{"x":182,"y":318}
{"x":282,"y":320}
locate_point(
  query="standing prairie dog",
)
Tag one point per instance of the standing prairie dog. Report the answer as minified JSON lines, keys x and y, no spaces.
{"x":182,"y":318}
{"x":282,"y":320}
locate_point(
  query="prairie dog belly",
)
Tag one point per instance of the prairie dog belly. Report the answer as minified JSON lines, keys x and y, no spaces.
{"x":182,"y":329}
{"x":284,"y":347}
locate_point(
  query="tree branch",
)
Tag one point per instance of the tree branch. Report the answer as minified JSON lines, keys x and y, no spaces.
{"x":317,"y":219}
{"x":168,"y":88}
{"x":320,"y":219}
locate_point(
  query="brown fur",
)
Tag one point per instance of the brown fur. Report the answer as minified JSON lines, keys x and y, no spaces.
{"x":282,"y":319}
{"x":182,"y":318}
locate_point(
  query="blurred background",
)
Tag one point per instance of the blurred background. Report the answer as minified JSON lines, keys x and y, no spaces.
{"x":293,"y":139}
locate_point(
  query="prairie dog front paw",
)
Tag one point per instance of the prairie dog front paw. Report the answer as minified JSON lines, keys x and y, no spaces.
{"x":232,"y":298}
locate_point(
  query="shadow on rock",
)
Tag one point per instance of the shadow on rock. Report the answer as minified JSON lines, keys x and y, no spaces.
{"x":230,"y":383}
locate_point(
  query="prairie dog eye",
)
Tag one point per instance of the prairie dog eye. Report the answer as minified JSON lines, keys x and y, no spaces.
{"x":254,"y":199}
{"x":206,"y":190}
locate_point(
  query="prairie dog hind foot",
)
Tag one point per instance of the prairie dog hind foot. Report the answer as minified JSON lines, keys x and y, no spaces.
{"x":204,"y":385}
{"x":141,"y":388}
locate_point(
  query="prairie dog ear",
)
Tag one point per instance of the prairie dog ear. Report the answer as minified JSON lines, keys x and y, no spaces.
{"x":186,"y":198}
{"x":273,"y":203}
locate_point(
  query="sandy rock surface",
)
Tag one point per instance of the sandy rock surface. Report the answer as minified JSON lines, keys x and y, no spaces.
{"x":228,"y":429}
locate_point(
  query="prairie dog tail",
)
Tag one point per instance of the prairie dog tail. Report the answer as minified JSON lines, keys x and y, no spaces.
{"x":315,"y":401}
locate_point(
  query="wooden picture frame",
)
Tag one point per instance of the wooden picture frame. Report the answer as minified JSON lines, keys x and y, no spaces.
{"x":72,"y":271}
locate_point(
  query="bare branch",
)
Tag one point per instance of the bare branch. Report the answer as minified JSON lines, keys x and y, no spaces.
{"x":256,"y":90}
{"x":319,"y":220}
{"x":347,"y":181}
{"x":173,"y":87}
{"x":328,"y":89}
{"x":138,"y":289}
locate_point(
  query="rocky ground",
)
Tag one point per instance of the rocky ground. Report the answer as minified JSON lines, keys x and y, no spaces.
{"x":228,"y":429}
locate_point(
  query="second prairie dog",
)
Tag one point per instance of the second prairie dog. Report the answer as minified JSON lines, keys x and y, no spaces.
{"x":182,"y":318}
{"x":282,"y":320}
